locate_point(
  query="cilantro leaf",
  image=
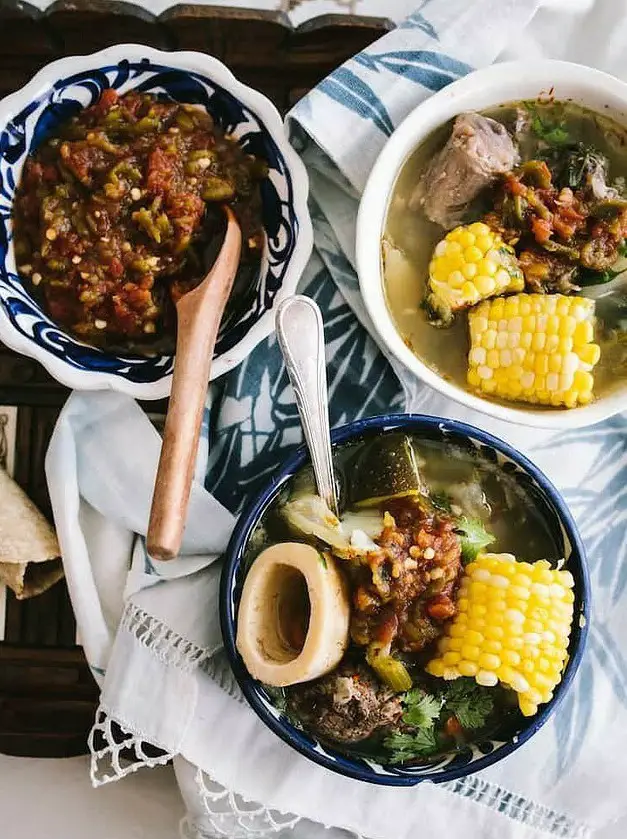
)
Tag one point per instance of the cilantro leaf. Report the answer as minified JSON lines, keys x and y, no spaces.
{"x":421,"y":709}
{"x":470,"y":703}
{"x":473,"y":537}
{"x":555,"y":134}
{"x":405,"y":747}
{"x":537,"y":126}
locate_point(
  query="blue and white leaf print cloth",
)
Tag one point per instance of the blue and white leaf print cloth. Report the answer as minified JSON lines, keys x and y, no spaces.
{"x":150,"y":630}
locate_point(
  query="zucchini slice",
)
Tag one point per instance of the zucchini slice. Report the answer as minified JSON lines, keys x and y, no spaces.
{"x":387,"y":468}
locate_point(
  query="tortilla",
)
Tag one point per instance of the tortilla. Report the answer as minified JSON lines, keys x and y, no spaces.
{"x":30,"y":557}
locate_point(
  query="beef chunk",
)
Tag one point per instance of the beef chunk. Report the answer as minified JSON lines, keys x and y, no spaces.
{"x":347,"y":705}
{"x":477,"y":152}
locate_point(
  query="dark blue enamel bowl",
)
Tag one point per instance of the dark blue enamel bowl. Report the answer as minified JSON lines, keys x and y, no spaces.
{"x":481,"y":754}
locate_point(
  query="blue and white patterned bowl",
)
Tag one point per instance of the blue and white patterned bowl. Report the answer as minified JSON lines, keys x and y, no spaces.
{"x":54,"y":95}
{"x":482,"y":754}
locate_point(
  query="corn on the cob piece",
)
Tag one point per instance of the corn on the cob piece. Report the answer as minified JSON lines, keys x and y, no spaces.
{"x":534,"y":348}
{"x":512,"y":625}
{"x":470,"y":264}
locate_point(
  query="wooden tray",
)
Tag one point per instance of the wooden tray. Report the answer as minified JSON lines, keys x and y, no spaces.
{"x":47,"y":694}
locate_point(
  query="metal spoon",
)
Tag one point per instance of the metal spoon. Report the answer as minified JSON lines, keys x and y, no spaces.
{"x":301,"y":338}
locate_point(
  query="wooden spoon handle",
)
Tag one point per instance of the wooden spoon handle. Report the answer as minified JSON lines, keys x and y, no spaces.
{"x":199,"y":313}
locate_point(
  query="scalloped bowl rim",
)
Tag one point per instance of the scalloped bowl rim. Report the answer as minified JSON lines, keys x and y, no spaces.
{"x":214,"y":70}
{"x":497,"y":84}
{"x":250,"y":517}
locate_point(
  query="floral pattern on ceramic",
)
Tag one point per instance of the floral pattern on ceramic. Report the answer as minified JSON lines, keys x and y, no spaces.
{"x":58,"y":93}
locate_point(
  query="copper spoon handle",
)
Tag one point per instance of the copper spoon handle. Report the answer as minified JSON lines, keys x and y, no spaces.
{"x":199,"y":313}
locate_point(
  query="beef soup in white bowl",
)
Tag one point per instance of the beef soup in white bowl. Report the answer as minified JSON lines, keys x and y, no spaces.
{"x":491,"y":243}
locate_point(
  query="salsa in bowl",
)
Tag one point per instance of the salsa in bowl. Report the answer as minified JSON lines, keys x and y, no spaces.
{"x":114,"y":170}
{"x":115,"y":209}
{"x":427,"y":630}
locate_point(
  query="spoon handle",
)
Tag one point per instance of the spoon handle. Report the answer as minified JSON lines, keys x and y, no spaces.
{"x":301,"y":338}
{"x":199,"y":313}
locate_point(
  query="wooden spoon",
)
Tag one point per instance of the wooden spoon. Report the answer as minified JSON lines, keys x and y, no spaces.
{"x":199,"y":313}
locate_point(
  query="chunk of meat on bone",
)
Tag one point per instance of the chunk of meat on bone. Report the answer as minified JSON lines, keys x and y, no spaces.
{"x":477,"y":152}
{"x":347,"y":705}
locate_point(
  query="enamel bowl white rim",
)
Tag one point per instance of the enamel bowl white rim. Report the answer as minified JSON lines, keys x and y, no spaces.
{"x":268,"y":118}
{"x":500,"y":83}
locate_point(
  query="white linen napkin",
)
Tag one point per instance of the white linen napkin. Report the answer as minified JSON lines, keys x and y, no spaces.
{"x":150,"y":629}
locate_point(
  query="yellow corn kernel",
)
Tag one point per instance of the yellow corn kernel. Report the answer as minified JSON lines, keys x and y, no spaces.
{"x":467,"y":668}
{"x":527,"y":708}
{"x":450,"y":658}
{"x":468,"y":266}
{"x":484,"y":242}
{"x":520,"y":643}
{"x":436,"y":668}
{"x":456,"y":279}
{"x":489,"y":661}
{"x":545,"y":356}
{"x":510,"y":657}
{"x":538,"y":341}
{"x":479,"y":228}
{"x":485,"y":284}
{"x":488,"y":267}
{"x":473,"y":253}
{"x":583,"y":334}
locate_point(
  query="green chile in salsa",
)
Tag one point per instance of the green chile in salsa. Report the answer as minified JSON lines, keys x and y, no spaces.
{"x":113,"y":213}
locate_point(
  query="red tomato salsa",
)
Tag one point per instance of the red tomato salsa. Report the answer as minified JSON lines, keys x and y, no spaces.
{"x":113,"y":212}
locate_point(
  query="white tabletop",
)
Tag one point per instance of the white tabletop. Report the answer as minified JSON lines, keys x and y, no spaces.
{"x":54,"y":799}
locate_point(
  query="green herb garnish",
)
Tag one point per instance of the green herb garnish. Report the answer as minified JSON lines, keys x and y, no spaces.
{"x":421,"y":709}
{"x":467,"y":701}
{"x":473,"y":537}
{"x":553,"y":133}
{"x":471,"y":704}
{"x":556,"y":136}
{"x":403,"y":747}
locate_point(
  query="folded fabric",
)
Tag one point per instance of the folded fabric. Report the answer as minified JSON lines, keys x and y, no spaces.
{"x":150,"y":629}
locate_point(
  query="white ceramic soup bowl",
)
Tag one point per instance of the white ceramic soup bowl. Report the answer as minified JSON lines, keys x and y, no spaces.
{"x":482,"y":89}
